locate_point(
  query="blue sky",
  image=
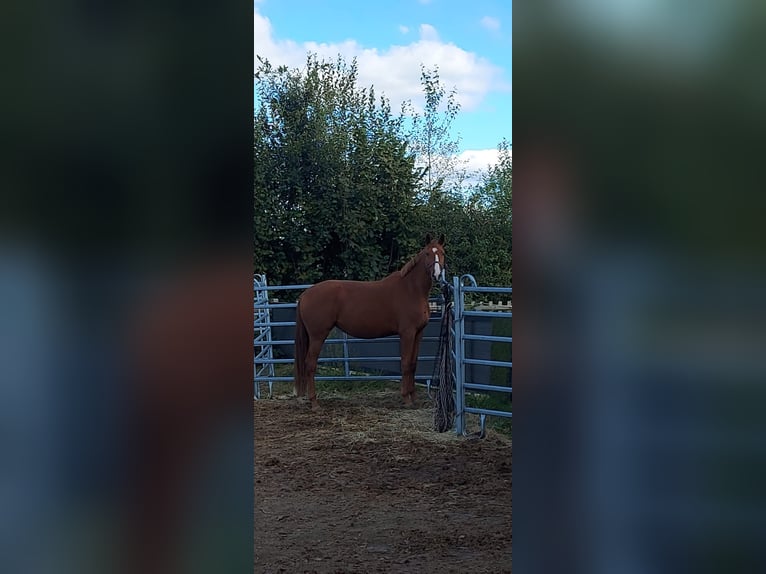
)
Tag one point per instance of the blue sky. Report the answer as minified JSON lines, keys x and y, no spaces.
{"x":469,"y":41}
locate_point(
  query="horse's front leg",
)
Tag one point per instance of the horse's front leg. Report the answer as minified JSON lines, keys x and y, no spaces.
{"x":406,"y":344}
{"x":414,"y":363}
{"x":409,"y":346}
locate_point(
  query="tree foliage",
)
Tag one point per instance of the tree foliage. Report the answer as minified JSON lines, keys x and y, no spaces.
{"x":430,"y":137}
{"x":338,"y":192}
{"x":491,"y":208}
{"x":334,"y":182}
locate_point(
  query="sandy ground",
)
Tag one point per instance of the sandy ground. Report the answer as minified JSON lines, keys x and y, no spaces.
{"x":366,"y":486}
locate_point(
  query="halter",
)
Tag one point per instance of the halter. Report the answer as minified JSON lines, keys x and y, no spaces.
{"x":436,"y":271}
{"x":412,"y":263}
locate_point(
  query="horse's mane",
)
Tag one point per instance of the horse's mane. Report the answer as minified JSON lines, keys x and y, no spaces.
{"x":409,"y":265}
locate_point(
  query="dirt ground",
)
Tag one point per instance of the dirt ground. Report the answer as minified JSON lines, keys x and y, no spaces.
{"x":366,"y":486}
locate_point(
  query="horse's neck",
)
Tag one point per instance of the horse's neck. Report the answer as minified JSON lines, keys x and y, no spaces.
{"x":408,"y":266}
{"x":414,"y":275}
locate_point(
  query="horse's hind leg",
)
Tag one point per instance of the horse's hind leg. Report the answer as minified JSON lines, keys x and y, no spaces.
{"x":312,"y":358}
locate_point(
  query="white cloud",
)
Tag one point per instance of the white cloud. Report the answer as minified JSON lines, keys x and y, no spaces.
{"x":479,"y":159}
{"x":403,"y":29}
{"x":490,"y":23}
{"x":476,"y":163}
{"x":428,"y":33}
{"x":395,"y":70}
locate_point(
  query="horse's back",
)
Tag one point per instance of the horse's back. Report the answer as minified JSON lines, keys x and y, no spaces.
{"x":361,"y":308}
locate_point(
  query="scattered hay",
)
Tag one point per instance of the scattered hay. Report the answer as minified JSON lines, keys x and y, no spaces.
{"x":374,"y":416}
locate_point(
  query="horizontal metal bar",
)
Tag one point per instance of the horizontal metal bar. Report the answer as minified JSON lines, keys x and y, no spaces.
{"x":488,"y":363}
{"x":491,"y":412}
{"x":301,"y":287}
{"x":344,"y":378}
{"x":507,"y":314}
{"x":273,"y":305}
{"x":466,"y":289}
{"x":391,"y":339}
{"x":261,"y":360}
{"x":491,"y":338}
{"x":429,"y":339}
{"x":434,"y":318}
{"x":480,"y":387}
{"x":381,"y":359}
{"x":282,"y":287}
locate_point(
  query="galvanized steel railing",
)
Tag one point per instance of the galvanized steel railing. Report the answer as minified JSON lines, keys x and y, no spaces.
{"x":264,"y":344}
{"x":262,"y":341}
{"x":459,"y":354}
{"x":264,"y":307}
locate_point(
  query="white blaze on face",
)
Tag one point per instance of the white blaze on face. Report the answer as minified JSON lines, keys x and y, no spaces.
{"x":437,"y":267}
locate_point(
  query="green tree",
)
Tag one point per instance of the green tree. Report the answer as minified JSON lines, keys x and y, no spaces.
{"x":495,"y":192}
{"x":491,"y":209}
{"x":430,"y":137}
{"x":334,"y":182}
{"x":338,"y":193}
{"x":478,"y":224}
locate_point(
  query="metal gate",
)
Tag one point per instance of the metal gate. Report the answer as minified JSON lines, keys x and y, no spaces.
{"x":262,"y":348}
{"x":471,"y":378}
{"x":469,"y":344}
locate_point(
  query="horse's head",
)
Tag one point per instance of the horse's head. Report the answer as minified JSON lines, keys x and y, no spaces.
{"x":433,"y":253}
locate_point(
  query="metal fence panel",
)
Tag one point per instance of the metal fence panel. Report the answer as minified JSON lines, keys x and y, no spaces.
{"x":379,"y":357}
{"x":476,"y":346}
{"x":262,"y":335}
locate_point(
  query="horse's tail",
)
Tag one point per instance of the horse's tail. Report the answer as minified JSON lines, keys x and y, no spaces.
{"x":301,"y":348}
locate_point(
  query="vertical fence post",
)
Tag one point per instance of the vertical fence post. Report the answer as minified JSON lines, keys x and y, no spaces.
{"x":347,"y":370}
{"x":262,"y":349}
{"x":257,"y":318}
{"x":256,"y":385}
{"x":457,"y":309}
{"x":267,"y":321}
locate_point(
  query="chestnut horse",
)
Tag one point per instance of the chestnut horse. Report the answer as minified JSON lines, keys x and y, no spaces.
{"x":397,"y":304}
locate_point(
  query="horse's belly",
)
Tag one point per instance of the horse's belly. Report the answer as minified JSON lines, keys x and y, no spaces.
{"x":367,"y":317}
{"x":368,"y":323}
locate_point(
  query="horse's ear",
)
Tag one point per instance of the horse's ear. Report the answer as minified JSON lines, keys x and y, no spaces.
{"x":441,"y":239}
{"x":428,"y":238}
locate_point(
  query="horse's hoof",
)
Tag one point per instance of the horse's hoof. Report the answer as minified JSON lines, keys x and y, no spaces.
{"x":316,"y":407}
